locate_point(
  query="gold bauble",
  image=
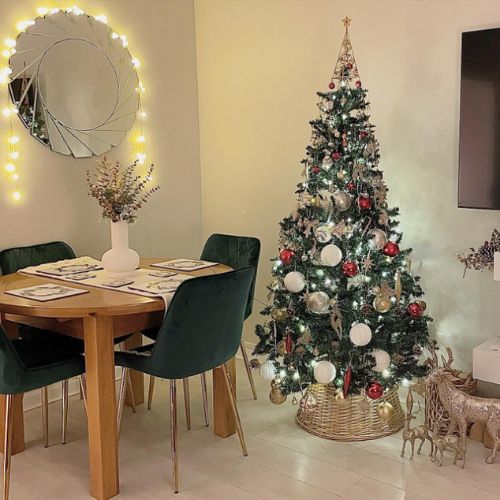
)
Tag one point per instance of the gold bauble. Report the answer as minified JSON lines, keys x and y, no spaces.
{"x":281,"y":348}
{"x":341,"y":175}
{"x":339,"y":395}
{"x":280,"y":314}
{"x":382,"y":304}
{"x":385,"y":411}
{"x":276,"y":396}
{"x":422,"y":304}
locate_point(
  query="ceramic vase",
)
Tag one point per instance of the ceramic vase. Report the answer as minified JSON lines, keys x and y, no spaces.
{"x":120,"y":261}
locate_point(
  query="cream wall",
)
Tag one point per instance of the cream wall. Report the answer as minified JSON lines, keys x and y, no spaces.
{"x":55,"y":204}
{"x":259,"y":66}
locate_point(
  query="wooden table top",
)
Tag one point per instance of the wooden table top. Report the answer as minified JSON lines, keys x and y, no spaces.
{"x":98,"y":301}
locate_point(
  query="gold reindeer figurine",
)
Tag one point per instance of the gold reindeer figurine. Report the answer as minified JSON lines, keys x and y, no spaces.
{"x":463,"y":408}
{"x":420,"y":432}
{"x":447,"y":442}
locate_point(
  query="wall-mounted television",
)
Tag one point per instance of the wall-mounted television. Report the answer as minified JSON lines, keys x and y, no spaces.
{"x":479,"y":163}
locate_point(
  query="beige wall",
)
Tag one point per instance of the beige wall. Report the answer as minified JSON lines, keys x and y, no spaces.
{"x":55,"y":205}
{"x":259,"y":66}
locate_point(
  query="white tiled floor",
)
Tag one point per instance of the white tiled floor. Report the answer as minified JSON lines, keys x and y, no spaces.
{"x":284,"y":462}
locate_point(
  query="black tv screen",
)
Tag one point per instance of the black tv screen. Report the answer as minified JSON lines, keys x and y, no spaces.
{"x":479,"y":164}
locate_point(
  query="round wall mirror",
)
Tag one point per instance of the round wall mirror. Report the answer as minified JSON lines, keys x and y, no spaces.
{"x":74,"y":84}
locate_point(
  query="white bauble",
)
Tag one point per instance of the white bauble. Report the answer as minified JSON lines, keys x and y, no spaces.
{"x":382,"y":360}
{"x":267,"y":370}
{"x":324,"y":372}
{"x":378,"y":239}
{"x":323,"y":234}
{"x":294,"y":282}
{"x":360,"y":334}
{"x":318,"y":302}
{"x":331,"y":255}
{"x":342,"y":200}
{"x":327,"y":162}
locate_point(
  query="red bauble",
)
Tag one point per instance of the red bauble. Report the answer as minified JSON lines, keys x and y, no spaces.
{"x":414,"y":310}
{"x":363,"y":134}
{"x":351,"y":186}
{"x":286,"y":256}
{"x":364,"y":202}
{"x":349,"y":66}
{"x":391,"y":249}
{"x":315,"y":169}
{"x":331,"y":85}
{"x":350,"y":268}
{"x":347,"y":381}
{"x":375,"y":390}
{"x":336,"y":155}
{"x":358,"y":84}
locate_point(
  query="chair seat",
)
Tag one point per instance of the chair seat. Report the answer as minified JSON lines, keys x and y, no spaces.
{"x":152,"y":333}
{"x":136,"y":359}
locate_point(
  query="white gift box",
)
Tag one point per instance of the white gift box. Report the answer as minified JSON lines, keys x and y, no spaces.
{"x":486,"y":361}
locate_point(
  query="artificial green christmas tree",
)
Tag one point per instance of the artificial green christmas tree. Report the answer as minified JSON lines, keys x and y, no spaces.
{"x":346,"y":309}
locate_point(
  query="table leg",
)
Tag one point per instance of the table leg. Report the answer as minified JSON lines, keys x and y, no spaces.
{"x":12,"y":331}
{"x":137,"y":377}
{"x":101,"y":407}
{"x":224,"y":425}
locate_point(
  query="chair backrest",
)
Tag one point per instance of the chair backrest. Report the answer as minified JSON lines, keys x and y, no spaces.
{"x":11,"y":367}
{"x":13,"y":259}
{"x":236,"y":252}
{"x":203,"y":325}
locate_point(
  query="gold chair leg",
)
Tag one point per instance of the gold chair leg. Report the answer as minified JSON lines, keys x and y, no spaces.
{"x":64,"y":400}
{"x":83,"y":391}
{"x":45,"y":416}
{"x":204,"y":397}
{"x":249,"y":370}
{"x":7,"y":445}
{"x":151,"y":390}
{"x":187,"y":402}
{"x":232,"y":401}
{"x":131,"y":392}
{"x":121,"y":399}
{"x":173,"y":434}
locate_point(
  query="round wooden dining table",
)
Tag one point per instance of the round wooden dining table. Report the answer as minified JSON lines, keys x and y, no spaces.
{"x":98,"y":317}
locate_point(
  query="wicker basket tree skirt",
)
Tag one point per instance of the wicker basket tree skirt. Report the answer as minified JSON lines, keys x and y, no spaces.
{"x":352,"y":419}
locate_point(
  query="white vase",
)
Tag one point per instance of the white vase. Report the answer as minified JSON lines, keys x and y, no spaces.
{"x":121,"y":261}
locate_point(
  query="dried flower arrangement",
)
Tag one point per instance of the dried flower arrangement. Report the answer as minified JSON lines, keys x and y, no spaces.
{"x":119,"y":191}
{"x":483,"y":257}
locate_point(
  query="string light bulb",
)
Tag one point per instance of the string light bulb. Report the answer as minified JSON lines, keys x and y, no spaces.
{"x":16,"y":195}
{"x":15,"y":176}
{"x":42,"y":11}
{"x":14,"y":155}
{"x":136,"y":63}
{"x":10,"y":43}
{"x":102,"y":18}
{"x":10,"y":167}
{"x":141,"y":139}
{"x":13,"y":139}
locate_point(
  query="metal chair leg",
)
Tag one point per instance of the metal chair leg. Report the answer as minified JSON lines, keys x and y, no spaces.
{"x":232,"y":401}
{"x":249,"y":370}
{"x":45,"y":416}
{"x":121,"y":399}
{"x":83,"y":391}
{"x":204,"y":397}
{"x":187,"y":402}
{"x":7,"y":445}
{"x":64,"y":400}
{"x":151,"y":390}
{"x":173,"y":433}
{"x":131,"y":392}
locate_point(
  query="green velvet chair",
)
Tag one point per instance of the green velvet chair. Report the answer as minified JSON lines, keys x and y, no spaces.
{"x":31,"y":364}
{"x":14,"y":259}
{"x":236,"y":252}
{"x":201,"y":331}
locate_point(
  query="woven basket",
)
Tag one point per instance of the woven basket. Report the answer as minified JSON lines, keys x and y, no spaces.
{"x":352,"y":419}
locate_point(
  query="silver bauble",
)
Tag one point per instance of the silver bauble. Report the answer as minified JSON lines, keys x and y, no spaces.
{"x":323,"y":234}
{"x":318,"y":302}
{"x":378,"y":238}
{"x":342,"y":200}
{"x":294,"y":282}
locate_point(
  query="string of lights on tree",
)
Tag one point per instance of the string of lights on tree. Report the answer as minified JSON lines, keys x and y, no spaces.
{"x":9,"y":111}
{"x":345,"y":307}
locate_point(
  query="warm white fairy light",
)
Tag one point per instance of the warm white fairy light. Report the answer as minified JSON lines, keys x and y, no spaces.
{"x":102,"y":18}
{"x":42,"y":11}
{"x":13,"y":139}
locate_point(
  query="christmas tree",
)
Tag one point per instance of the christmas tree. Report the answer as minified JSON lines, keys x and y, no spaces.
{"x":345,"y":307}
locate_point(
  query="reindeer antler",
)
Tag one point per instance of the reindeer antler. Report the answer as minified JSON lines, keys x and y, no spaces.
{"x":409,"y":403}
{"x":447,"y":364}
{"x":433,"y":360}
